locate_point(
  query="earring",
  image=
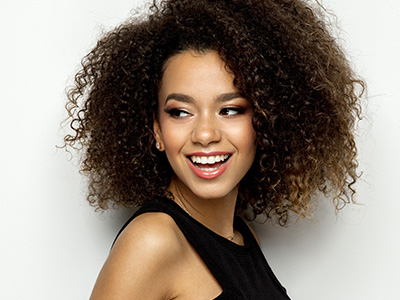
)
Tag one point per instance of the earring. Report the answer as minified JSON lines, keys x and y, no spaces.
{"x":158,"y":146}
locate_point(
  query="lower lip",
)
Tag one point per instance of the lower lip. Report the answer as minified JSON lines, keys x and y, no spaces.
{"x":209,"y":174}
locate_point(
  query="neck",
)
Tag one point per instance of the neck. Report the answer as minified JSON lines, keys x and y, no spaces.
{"x":217,"y":213}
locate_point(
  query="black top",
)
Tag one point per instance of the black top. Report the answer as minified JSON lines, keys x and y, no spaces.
{"x":242,"y":271}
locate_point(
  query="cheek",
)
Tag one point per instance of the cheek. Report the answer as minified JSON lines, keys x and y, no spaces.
{"x":173,"y":137}
{"x":250,"y":143}
{"x":245,"y":137}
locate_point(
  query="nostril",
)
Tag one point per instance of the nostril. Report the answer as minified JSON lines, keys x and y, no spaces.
{"x":206,"y":134}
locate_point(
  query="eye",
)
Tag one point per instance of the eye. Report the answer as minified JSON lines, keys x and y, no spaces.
{"x":177,"y":113}
{"x":231,"y":111}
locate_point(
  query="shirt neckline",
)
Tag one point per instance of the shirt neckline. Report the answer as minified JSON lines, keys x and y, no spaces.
{"x":238,"y":225}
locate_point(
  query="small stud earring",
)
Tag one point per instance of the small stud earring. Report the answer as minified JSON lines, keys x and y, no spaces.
{"x":158,"y":145}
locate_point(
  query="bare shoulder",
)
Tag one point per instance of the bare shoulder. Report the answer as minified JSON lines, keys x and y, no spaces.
{"x":154,"y":231}
{"x":143,"y":260}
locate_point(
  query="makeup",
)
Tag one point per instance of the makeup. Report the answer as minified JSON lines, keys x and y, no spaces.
{"x":209,"y":165}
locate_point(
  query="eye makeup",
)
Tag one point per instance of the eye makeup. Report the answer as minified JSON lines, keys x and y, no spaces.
{"x":176,"y":113}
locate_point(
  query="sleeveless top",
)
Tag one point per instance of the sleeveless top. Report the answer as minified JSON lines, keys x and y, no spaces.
{"x":242,"y":271}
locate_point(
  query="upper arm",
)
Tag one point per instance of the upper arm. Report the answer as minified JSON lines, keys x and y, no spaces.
{"x":142,"y":261}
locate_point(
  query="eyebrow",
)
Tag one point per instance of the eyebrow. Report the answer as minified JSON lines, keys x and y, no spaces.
{"x":188,"y":99}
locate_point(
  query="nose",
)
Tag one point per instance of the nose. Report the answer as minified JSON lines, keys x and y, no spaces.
{"x":206,"y":131}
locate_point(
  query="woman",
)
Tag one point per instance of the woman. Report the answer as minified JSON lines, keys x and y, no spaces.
{"x":201,"y":111}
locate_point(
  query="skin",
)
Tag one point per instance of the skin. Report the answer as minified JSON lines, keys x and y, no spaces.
{"x":202,"y":111}
{"x":152,"y":258}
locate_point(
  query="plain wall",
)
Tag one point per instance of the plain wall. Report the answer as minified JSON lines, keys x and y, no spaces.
{"x":52,"y":242}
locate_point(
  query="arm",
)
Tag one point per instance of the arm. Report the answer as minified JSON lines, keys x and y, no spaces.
{"x":142,"y":262}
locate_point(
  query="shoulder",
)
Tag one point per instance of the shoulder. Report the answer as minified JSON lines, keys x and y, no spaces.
{"x":143,"y":260}
{"x":155,"y":231}
{"x":150,"y":238}
{"x":248,"y":228}
{"x":254,"y":233}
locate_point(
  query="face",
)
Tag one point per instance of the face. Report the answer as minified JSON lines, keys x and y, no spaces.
{"x":205,"y":126}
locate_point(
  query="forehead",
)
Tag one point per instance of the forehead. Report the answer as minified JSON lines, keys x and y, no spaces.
{"x":191,"y":72}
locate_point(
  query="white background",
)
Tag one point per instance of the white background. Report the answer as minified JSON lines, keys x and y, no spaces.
{"x":53,"y":244}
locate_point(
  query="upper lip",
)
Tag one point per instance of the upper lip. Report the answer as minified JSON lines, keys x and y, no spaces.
{"x":208,"y":157}
{"x":214,"y":153}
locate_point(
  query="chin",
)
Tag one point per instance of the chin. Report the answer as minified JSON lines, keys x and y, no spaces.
{"x":214,"y":193}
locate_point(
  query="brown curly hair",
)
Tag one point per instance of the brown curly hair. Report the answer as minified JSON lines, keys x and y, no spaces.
{"x":303,"y":90}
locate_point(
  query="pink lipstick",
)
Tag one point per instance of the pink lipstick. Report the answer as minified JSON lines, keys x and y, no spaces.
{"x":209,"y":165}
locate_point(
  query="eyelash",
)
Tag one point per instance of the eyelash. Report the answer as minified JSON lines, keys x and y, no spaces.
{"x":237,"y":111}
{"x":176,"y":112}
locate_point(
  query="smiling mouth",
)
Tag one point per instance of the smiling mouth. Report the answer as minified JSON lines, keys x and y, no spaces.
{"x":209,"y":163}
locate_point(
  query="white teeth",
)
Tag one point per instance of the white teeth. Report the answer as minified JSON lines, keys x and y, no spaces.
{"x":209,"y":159}
{"x":208,"y":169}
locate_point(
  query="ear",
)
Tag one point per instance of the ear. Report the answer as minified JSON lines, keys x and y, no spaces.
{"x":158,"y":135}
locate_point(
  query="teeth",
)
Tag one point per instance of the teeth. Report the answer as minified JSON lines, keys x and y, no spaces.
{"x":208,"y":169}
{"x":209,"y":159}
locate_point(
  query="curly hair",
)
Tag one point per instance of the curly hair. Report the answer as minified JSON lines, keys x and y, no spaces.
{"x":305,"y":95}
